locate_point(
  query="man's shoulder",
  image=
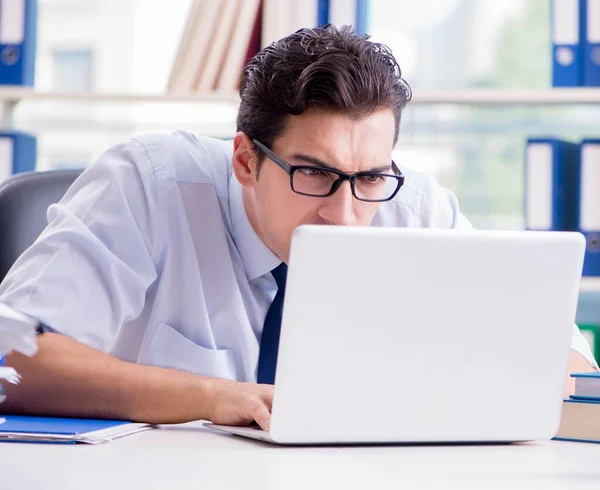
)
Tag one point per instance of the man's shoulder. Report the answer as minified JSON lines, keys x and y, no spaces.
{"x":417,"y":189}
{"x":421,"y":202}
{"x":185,"y":157}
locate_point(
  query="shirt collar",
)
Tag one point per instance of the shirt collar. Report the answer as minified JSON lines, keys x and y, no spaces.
{"x":257,"y":257}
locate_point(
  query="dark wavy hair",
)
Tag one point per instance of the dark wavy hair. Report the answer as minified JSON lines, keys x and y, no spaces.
{"x":327,"y":68}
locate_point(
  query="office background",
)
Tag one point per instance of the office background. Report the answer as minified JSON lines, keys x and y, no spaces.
{"x":481,"y":72}
{"x":128,"y":47}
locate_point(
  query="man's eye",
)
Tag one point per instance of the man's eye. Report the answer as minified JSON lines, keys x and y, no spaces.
{"x":372,"y":179}
{"x":312,"y":172}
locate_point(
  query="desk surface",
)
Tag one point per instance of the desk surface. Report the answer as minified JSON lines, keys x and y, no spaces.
{"x":190,"y":456}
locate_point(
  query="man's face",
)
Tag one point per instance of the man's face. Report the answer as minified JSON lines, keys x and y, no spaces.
{"x":342,"y":143}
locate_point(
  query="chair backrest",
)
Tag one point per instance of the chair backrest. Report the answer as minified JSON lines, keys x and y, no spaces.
{"x":24,"y":200}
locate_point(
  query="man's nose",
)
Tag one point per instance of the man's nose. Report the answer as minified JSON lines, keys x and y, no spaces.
{"x":338,"y":209}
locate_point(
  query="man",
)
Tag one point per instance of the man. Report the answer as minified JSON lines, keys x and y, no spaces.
{"x":157,"y":272}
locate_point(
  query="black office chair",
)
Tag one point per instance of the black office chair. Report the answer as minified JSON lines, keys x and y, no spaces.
{"x":24,"y":200}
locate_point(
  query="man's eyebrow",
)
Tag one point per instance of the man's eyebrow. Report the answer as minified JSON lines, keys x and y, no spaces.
{"x":321,"y":163}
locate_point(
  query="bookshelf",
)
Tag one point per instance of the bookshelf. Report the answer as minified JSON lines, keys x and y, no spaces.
{"x":11,"y":96}
{"x":581,"y":95}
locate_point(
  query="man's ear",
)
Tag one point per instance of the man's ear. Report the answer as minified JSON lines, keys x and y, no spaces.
{"x":244,"y":160}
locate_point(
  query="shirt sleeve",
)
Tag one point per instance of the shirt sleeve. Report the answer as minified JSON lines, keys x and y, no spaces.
{"x":580,"y":344}
{"x":88,"y":272}
{"x":440,"y":209}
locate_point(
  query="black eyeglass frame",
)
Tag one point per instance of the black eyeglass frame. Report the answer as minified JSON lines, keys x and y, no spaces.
{"x":342,"y":176}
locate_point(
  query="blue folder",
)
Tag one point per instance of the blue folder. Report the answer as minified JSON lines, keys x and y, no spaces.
{"x":18,"y":39}
{"x":362,"y":16}
{"x":591,"y":44}
{"x":551,"y":180}
{"x":62,"y":430}
{"x":588,"y":199}
{"x":322,"y":12}
{"x":568,"y":25}
{"x":20,"y":148}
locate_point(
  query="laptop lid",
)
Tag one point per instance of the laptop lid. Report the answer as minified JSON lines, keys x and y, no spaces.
{"x":422,"y":335}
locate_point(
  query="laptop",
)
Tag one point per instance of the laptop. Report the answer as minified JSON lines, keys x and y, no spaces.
{"x":396,"y":335}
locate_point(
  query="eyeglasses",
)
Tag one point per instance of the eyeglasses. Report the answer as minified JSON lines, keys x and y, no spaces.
{"x":314,"y":181}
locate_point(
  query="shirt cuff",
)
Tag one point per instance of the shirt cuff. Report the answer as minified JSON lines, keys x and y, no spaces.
{"x":580,"y":345}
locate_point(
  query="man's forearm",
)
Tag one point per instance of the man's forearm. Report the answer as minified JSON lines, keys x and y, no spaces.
{"x":577,"y":364}
{"x":71,"y":379}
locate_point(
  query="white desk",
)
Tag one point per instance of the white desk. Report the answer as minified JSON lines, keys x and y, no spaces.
{"x":189,"y":456}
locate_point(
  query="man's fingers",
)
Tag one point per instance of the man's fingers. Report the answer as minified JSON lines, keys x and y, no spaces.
{"x":261,"y":414}
{"x":267,"y":399}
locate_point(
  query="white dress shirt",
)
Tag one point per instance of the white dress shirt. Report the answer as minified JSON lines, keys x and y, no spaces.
{"x":150,"y":257}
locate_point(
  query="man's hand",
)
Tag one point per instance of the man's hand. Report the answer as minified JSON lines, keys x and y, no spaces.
{"x":577,"y":364}
{"x":236,"y":403}
{"x":67,"y":378}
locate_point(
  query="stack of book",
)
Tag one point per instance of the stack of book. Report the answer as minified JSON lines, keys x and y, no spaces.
{"x":580,"y":420}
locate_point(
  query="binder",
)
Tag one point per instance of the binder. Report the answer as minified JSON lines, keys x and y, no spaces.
{"x":18,"y":153}
{"x":322,"y":12}
{"x":551,"y":177}
{"x":18,"y":32}
{"x":362,"y":16}
{"x":568,"y":24}
{"x":64,"y":430}
{"x":591,"y":43}
{"x":589,"y":204}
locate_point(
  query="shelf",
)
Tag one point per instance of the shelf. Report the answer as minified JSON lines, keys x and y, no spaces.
{"x":502,"y":97}
{"x":509,"y":97}
{"x":16,"y":94}
{"x":590,"y":285}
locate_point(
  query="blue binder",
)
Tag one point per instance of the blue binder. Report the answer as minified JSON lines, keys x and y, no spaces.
{"x":362,"y":16}
{"x":551,"y":167}
{"x":591,"y":44}
{"x":589,"y":203}
{"x":18,"y":153}
{"x":568,"y":24}
{"x":18,"y":33}
{"x":322,"y":12}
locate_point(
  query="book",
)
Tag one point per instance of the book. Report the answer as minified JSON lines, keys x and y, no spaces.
{"x":587,"y":385}
{"x":64,"y":430}
{"x":236,"y":56}
{"x":580,"y":421}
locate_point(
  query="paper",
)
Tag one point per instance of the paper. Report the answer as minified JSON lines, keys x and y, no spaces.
{"x":8,"y":375}
{"x":17,"y":332}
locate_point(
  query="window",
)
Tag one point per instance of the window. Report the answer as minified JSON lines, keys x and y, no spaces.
{"x":69,"y":162}
{"x":72,"y":70}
